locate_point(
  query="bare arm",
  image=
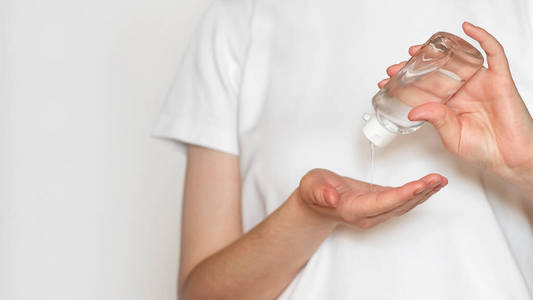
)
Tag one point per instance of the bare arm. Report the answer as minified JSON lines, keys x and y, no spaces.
{"x":219,"y":262}
{"x":211,"y":213}
{"x":248,"y":265}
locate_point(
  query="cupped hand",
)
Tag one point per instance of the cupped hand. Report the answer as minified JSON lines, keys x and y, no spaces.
{"x":486,"y":121}
{"x":349,"y":201}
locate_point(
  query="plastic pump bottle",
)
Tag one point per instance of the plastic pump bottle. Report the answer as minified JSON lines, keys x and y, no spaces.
{"x":441,"y":66}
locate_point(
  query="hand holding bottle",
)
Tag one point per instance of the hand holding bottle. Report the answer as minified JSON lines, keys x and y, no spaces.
{"x":486,"y":121}
{"x":349,"y":201}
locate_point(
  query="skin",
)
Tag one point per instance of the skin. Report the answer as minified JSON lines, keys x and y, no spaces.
{"x":486,"y":123}
{"x":219,"y":261}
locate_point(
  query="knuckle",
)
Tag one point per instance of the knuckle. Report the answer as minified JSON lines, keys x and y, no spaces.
{"x":441,"y":122}
{"x":316,"y":192}
{"x":311,"y":175}
{"x":499,"y":45}
{"x":317,"y":171}
{"x":308,"y":177}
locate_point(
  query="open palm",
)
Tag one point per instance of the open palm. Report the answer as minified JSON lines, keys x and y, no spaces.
{"x":353,"y":202}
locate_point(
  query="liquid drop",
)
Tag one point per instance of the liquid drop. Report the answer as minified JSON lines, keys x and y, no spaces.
{"x":372,"y":161}
{"x":367,"y":117}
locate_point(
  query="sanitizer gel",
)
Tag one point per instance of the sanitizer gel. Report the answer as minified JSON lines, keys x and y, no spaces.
{"x":434,"y":74}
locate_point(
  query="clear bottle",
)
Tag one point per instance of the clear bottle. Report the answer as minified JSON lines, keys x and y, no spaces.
{"x":434,"y":74}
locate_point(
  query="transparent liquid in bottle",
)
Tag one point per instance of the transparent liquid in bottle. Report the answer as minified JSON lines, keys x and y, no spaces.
{"x":434,"y":74}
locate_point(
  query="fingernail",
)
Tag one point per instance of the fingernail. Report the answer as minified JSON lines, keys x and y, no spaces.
{"x":474,"y":25}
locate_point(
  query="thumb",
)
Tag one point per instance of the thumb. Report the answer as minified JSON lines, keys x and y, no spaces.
{"x":316,"y":188}
{"x":443,"y":119}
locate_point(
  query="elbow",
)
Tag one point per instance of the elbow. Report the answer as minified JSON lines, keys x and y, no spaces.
{"x":185,"y":289}
{"x":190,"y":289}
{"x":197,"y":288}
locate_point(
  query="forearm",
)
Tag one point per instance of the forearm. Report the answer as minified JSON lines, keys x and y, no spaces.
{"x":263,"y":261}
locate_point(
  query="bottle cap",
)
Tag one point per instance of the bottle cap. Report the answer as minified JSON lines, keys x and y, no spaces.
{"x":376,"y":133}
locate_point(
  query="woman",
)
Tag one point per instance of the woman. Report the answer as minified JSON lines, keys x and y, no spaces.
{"x":269,"y":99}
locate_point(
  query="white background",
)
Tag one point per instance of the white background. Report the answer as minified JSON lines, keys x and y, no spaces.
{"x":89,"y":201}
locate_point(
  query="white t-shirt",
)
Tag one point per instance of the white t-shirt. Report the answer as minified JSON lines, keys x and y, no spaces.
{"x":284,"y":85}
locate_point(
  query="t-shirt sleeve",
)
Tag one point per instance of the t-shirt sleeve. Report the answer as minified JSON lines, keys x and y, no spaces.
{"x":201,"y":107}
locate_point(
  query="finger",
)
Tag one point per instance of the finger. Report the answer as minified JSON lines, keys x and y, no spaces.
{"x":317,"y":187}
{"x":496,"y":58}
{"x":414,"y":49}
{"x":373,"y":221}
{"x":429,"y":183}
{"x":331,"y":196}
{"x":382,"y":83}
{"x":441,"y":185}
{"x":434,"y":186}
{"x":407,"y":208}
{"x":392,"y":70}
{"x":443,"y":119}
{"x":373,"y":204}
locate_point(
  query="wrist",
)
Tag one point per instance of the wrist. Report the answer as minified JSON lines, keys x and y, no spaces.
{"x":522,"y":179}
{"x":302,"y":209}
